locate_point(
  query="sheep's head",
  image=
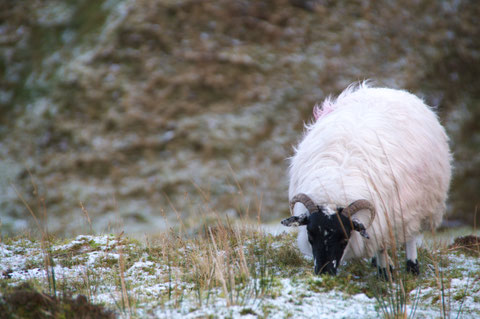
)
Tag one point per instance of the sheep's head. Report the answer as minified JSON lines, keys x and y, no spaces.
{"x":329,"y":230}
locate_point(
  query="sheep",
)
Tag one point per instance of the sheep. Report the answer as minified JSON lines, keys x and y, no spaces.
{"x":372,"y":170}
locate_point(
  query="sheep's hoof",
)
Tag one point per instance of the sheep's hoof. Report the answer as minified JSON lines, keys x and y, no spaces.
{"x":383,"y":274}
{"x":413,"y":267}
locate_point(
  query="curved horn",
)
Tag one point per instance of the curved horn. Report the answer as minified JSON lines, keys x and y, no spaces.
{"x":358,"y":205}
{"x":305,"y":200}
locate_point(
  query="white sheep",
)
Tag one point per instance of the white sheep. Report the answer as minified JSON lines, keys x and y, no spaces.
{"x":373,"y":168}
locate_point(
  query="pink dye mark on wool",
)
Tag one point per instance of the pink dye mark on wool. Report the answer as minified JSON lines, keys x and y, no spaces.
{"x":319,"y":112}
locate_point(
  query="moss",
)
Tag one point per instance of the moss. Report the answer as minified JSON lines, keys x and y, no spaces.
{"x":247,"y":311}
{"x":460,"y":296}
{"x":107,"y":262}
{"x":34,"y":263}
{"x":327,"y":282}
{"x":94,"y":245}
{"x":70,"y":261}
{"x":268,"y":310}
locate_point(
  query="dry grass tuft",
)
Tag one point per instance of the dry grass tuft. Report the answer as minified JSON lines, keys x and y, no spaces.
{"x":469,"y":244}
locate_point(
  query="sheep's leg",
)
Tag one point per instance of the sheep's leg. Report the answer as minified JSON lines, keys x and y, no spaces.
{"x":411,"y":252}
{"x":380,"y":261}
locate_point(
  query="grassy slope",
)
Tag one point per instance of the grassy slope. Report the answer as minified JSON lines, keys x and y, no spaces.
{"x":229,"y":271}
{"x":129,"y":105}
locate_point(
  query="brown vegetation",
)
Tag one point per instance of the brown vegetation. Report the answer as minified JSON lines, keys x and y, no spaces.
{"x":25,"y":302}
{"x":146,"y":107}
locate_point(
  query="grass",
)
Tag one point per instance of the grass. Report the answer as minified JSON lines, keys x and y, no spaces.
{"x":224,"y":268}
{"x":239,"y":267}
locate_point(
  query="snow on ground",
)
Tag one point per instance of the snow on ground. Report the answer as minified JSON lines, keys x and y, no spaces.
{"x":95,"y":260}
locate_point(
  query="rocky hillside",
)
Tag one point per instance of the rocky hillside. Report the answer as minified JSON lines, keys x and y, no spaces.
{"x":142,"y":108}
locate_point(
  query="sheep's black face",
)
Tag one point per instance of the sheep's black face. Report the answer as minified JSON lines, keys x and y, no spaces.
{"x":328,"y":233}
{"x":328,"y":239}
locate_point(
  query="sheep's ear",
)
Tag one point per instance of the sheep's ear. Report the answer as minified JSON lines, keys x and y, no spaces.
{"x":358,"y":226}
{"x":295,"y":221}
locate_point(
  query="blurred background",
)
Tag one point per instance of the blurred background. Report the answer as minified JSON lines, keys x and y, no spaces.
{"x":134,"y":114}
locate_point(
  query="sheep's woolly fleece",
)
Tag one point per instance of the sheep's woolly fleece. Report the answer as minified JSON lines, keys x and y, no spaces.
{"x":96,"y":258}
{"x":382,"y":145}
